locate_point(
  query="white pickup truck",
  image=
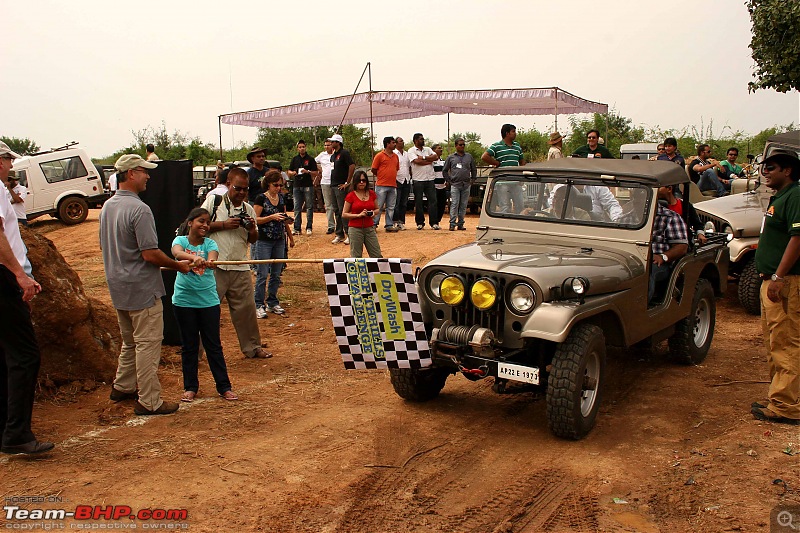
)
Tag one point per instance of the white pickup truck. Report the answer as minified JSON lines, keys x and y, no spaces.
{"x":62,"y":182}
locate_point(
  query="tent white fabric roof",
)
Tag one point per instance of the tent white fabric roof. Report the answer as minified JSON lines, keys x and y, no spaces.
{"x":398,"y":105}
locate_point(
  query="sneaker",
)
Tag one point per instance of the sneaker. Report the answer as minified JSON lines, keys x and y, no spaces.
{"x":336,"y":240}
{"x":436,"y":226}
{"x":391,"y":229}
{"x":295,"y":232}
{"x":402,"y":227}
{"x":166,"y":408}
{"x":766,"y":415}
{"x":277,"y":309}
{"x":452,"y":228}
{"x":462,"y":228}
{"x":261,"y":312}
{"x":118,"y":396}
{"x":420,"y":226}
{"x":346,"y":240}
{"x":29,"y":448}
{"x":330,"y":231}
{"x":308,"y":232}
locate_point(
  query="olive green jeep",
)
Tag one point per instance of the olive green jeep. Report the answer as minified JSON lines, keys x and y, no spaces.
{"x":554,"y":278}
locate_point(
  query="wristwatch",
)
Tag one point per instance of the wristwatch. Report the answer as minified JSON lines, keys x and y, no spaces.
{"x":775,"y":277}
{"x":665,"y":258}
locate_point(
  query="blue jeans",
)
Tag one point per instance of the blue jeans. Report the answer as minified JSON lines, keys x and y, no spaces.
{"x":458,"y":205}
{"x":428,"y":188}
{"x":400,"y":206}
{"x":386,"y":196}
{"x":327,"y":196}
{"x":201,"y":323}
{"x":303,"y":196}
{"x":269,"y":249}
{"x":709,"y":181}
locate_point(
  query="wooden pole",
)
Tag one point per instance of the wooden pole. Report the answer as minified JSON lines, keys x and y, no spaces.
{"x":268,"y":261}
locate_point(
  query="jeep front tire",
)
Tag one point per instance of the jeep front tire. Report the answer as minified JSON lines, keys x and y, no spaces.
{"x":692,"y":338}
{"x":418,"y":385}
{"x":575,"y":381}
{"x":73,"y":210}
{"x":750,"y":288}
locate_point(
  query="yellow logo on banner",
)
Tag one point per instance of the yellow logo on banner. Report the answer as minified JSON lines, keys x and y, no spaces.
{"x":390,"y":307}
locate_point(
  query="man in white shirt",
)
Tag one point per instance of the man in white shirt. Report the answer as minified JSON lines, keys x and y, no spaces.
{"x":423,"y":176}
{"x":17,"y":194}
{"x":19,"y":351}
{"x":324,"y":164}
{"x":403,"y":185}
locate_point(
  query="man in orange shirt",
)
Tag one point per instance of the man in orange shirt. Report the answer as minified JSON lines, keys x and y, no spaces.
{"x":384,"y":167}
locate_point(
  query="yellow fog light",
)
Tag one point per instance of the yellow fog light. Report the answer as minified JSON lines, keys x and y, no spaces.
{"x":483,"y":294}
{"x":452,"y":290}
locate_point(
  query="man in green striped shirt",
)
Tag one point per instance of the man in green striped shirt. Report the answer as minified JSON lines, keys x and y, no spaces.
{"x":506,"y":152}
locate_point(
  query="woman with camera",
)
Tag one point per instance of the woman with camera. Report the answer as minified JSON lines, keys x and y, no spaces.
{"x":359,"y":208}
{"x":272,"y":220}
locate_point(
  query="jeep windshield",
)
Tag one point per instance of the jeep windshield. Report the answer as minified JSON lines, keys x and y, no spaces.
{"x":569,"y":201}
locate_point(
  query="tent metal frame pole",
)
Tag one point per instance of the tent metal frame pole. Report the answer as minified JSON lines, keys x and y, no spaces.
{"x":371,"y":131}
{"x":448,"y":132}
{"x":352,"y":97}
{"x":219,"y":123}
{"x":556,"y":106}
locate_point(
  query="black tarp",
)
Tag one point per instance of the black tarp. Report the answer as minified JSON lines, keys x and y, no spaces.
{"x":169,"y":194}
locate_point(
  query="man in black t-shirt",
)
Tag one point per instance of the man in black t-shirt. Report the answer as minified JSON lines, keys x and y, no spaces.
{"x":303,"y":168}
{"x":341,"y":176}
{"x":257,"y":157}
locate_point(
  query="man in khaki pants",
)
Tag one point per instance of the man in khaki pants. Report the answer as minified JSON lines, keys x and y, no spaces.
{"x":132,"y":259}
{"x":777,"y":261}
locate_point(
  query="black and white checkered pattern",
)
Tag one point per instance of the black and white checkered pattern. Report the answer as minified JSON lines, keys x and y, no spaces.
{"x":412,"y":351}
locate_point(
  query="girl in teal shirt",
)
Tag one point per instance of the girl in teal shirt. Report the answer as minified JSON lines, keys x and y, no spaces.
{"x":196,"y":305}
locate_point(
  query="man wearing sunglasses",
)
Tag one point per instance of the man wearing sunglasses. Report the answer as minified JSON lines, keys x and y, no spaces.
{"x":778,"y":264}
{"x":593,"y":149}
{"x":233,"y":227}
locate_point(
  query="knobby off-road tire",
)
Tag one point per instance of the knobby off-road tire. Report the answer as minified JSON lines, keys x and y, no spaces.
{"x":750,"y":288}
{"x":73,"y":210}
{"x":418,"y":385}
{"x":575,"y":382}
{"x":692,"y":338}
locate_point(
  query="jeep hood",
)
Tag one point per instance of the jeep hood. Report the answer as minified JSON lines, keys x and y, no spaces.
{"x":743,"y":212}
{"x":546,"y":265}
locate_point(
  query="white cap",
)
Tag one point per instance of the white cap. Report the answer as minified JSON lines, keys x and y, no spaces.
{"x":337,"y":138}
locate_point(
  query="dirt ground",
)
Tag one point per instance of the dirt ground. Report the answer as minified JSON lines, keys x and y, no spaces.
{"x":311,"y":447}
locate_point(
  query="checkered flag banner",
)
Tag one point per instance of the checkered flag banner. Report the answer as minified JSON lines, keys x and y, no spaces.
{"x":376,"y":315}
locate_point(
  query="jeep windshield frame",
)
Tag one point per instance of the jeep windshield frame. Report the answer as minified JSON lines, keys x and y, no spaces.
{"x":562,"y":199}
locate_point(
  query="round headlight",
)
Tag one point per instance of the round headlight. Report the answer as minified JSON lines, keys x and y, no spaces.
{"x":483,"y":294}
{"x":709,"y":226}
{"x":578,"y":286}
{"x":522,"y":298}
{"x":434,"y":282}
{"x":451,"y":290}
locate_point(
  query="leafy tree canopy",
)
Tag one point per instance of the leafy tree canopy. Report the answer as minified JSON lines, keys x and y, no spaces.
{"x":775,"y":44}
{"x":21,"y":146}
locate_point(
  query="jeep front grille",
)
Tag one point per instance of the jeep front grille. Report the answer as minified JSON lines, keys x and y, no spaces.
{"x":468,"y":315}
{"x":719,"y":223}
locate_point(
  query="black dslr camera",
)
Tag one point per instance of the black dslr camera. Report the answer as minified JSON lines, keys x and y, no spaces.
{"x":246,"y":222}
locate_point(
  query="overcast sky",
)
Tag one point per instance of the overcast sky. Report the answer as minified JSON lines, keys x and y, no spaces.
{"x":93,"y":71}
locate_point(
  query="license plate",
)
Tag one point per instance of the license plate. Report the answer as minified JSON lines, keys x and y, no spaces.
{"x":525,"y":374}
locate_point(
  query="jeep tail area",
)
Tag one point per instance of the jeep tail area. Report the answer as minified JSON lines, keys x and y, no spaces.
{"x":62,"y":182}
{"x":552,"y":279}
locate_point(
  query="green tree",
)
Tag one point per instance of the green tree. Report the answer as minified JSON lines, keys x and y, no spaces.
{"x":775,"y":44}
{"x":533,"y":143}
{"x":23,"y":146}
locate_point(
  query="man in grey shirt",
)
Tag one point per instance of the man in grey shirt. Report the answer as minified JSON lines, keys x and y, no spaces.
{"x":132,"y":262}
{"x":460,"y":170}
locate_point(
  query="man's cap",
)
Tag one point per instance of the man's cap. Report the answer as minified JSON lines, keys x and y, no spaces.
{"x":554,"y":138}
{"x":784,"y":158}
{"x":255,"y":151}
{"x":131,"y":161}
{"x":336,"y":137}
{"x":5,"y":151}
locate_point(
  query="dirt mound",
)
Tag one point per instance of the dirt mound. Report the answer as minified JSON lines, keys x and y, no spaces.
{"x":78,"y":336}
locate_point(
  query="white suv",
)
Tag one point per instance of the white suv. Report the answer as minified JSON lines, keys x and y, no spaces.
{"x":63,"y":183}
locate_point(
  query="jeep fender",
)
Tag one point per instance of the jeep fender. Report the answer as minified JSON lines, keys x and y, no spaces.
{"x":552,"y":321}
{"x":73,"y":192}
{"x":739,"y":248}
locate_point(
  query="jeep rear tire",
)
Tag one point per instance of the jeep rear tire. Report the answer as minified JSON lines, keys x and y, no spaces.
{"x":73,"y":210}
{"x":575,"y":382}
{"x":418,"y":385}
{"x":692,"y":338}
{"x":750,"y":288}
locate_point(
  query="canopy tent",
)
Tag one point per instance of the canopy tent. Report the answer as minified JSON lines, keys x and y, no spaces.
{"x":383,"y":106}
